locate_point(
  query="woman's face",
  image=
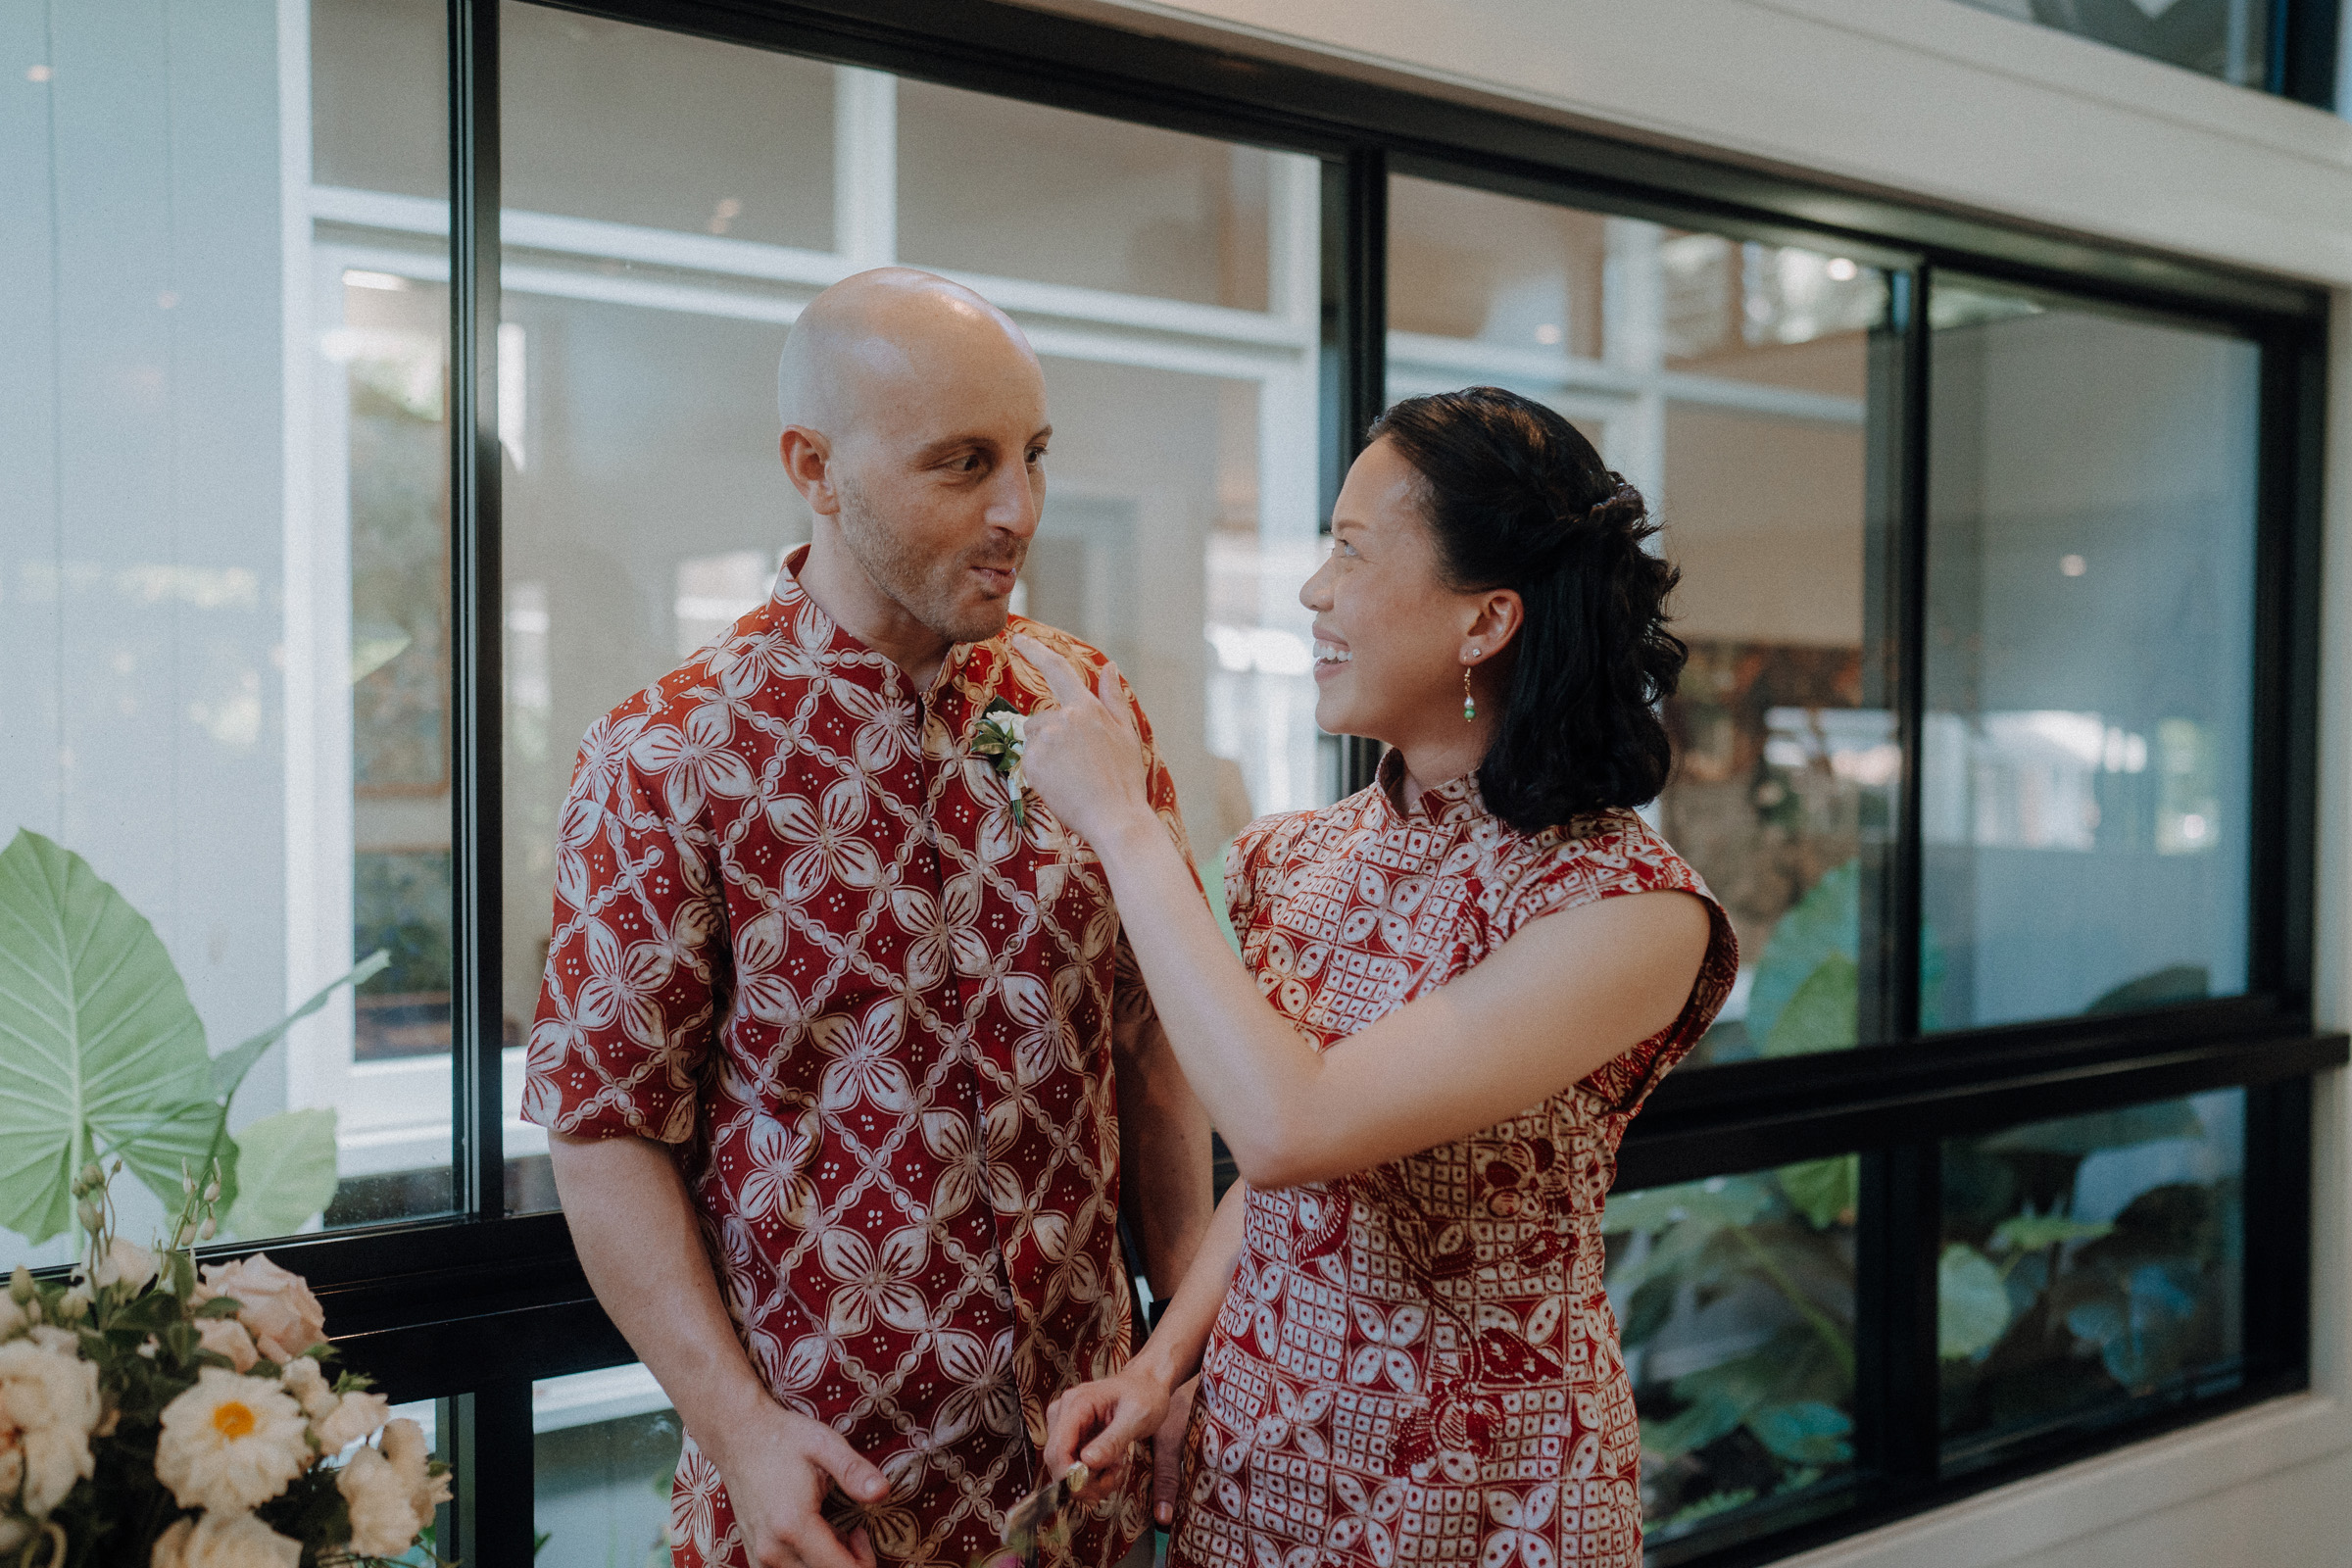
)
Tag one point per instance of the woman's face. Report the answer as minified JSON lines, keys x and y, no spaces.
{"x":1390,"y":634}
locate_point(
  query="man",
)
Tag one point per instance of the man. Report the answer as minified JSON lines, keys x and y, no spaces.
{"x":820,"y":999}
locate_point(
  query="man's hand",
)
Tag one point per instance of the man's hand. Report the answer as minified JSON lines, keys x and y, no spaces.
{"x":777,"y":1467}
{"x":635,"y":1229}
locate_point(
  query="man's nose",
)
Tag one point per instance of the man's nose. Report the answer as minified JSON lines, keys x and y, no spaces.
{"x":1013,"y":501}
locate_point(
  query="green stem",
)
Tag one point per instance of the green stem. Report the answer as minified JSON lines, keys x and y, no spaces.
{"x":1839,"y":1346}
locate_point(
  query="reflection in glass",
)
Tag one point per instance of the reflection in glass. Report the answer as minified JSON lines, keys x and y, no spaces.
{"x":1734,"y":1300}
{"x":2085,"y":791}
{"x":2090,"y":1266}
{"x":604,"y":1445}
{"x":2232,"y":39}
{"x":645,"y":508}
{"x":1731,"y":382}
{"x":1014,"y":190}
{"x":591,"y":114}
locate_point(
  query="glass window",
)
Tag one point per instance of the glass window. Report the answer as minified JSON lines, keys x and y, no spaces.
{"x":2089,"y":664}
{"x":645,"y":508}
{"x":234,"y":667}
{"x":378,"y":579}
{"x":604,"y":1446}
{"x":1732,"y":384}
{"x":1735,"y":1302}
{"x":2090,"y":1266}
{"x":1014,"y":190}
{"x":2232,"y":39}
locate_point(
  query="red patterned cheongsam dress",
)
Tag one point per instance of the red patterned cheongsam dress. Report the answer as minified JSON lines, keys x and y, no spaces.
{"x":1416,"y":1363}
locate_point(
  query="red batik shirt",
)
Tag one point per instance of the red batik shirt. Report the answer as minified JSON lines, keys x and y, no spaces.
{"x":800,"y":937}
{"x":1416,"y":1364}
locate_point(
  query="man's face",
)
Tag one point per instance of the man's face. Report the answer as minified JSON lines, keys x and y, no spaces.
{"x":942,"y":479}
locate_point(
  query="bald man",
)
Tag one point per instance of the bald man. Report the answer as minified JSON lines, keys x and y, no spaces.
{"x":845,"y":1062}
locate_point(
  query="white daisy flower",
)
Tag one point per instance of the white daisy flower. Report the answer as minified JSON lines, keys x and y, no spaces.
{"x":232,"y":1443}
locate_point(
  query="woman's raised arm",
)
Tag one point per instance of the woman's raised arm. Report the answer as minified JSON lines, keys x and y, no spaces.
{"x":1567,"y":993}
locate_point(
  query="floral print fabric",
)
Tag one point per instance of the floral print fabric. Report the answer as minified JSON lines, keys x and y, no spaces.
{"x":800,"y":936}
{"x":1417,"y":1364}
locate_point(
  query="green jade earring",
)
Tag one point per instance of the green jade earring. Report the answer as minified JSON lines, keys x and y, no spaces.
{"x":1469,"y":703}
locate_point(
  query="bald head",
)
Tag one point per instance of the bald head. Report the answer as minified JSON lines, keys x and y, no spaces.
{"x":914,"y":426}
{"x":870,"y":335}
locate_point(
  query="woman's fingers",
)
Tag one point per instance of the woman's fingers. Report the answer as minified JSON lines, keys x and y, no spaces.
{"x":1062,"y":679}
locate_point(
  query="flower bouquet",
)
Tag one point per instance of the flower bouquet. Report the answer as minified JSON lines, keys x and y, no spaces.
{"x":154,"y":1414}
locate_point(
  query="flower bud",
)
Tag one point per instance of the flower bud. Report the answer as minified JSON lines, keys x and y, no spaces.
{"x":92,"y":1175}
{"x":212,"y":1192}
{"x":204,"y":1232}
{"x":91,"y":1213}
{"x":19,"y":1285}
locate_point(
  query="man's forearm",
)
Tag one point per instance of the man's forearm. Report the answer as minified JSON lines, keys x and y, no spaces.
{"x":636,"y":1233}
{"x":1164,"y":1135}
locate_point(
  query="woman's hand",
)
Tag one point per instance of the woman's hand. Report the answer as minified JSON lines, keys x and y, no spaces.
{"x":1083,"y":755}
{"x":1100,"y":1423}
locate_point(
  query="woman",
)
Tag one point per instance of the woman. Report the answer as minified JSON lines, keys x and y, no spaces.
{"x":1467,"y":977}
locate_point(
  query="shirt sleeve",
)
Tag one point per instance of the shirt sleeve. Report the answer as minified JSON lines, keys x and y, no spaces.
{"x":627,"y":1013}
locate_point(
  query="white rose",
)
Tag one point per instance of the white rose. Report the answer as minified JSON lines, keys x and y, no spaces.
{"x":126,"y":1264}
{"x":48,"y":1405}
{"x":303,"y":1379}
{"x":231,"y":1444}
{"x":383,"y":1511}
{"x":353,"y":1417}
{"x":225,"y":1336}
{"x":275,"y":1306}
{"x":225,"y":1541}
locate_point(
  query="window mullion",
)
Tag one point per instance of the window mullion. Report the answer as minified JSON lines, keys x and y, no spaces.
{"x":1354,"y":349}
{"x":1895,"y":1383}
{"x":477,"y":710}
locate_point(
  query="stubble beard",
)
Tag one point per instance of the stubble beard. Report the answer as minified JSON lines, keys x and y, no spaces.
{"x":927,"y":586}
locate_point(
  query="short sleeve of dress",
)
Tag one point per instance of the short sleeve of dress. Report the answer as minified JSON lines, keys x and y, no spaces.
{"x":1615,"y":856}
{"x":627,"y":1016}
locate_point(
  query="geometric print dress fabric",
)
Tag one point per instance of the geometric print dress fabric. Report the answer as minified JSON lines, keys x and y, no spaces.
{"x":800,"y":938}
{"x":1417,"y":1364}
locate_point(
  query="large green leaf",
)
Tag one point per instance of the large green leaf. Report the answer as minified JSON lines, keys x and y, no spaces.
{"x":1972,"y":1302}
{"x":285,"y":1173}
{"x":100,"y":1050}
{"x":1820,"y":1016}
{"x":1824,"y":1191}
{"x":2100,"y":1130}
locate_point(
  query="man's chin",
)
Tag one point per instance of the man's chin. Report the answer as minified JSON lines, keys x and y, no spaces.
{"x":976,"y":623}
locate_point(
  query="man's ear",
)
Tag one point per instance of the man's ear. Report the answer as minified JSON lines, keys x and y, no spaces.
{"x":809,"y":465}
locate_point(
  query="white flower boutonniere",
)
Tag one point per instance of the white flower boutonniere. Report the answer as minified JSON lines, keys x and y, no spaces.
{"x":999,"y":738}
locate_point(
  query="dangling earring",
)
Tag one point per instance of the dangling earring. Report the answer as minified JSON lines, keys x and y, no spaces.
{"x":1469,"y":703}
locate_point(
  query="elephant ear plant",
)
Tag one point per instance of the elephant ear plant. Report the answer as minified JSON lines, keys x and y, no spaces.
{"x":102,"y":1057}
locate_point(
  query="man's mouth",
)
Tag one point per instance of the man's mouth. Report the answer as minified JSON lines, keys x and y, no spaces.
{"x":998,"y":580}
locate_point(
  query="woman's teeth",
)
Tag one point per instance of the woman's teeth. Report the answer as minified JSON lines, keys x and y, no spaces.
{"x":1327,"y":654}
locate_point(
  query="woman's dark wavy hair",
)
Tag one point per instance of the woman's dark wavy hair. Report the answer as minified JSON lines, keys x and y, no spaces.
{"x":1516,"y":498}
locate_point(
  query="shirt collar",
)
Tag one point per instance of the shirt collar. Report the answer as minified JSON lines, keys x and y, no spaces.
{"x":967,"y":678}
{"x":1451,"y":804}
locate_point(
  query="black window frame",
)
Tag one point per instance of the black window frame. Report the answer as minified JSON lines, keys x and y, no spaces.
{"x":474,"y":1307}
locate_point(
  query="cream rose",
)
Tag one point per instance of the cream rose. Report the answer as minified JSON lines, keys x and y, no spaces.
{"x":225,"y":1336}
{"x":223,"y":1540}
{"x":48,"y":1405}
{"x":275,"y":1306}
